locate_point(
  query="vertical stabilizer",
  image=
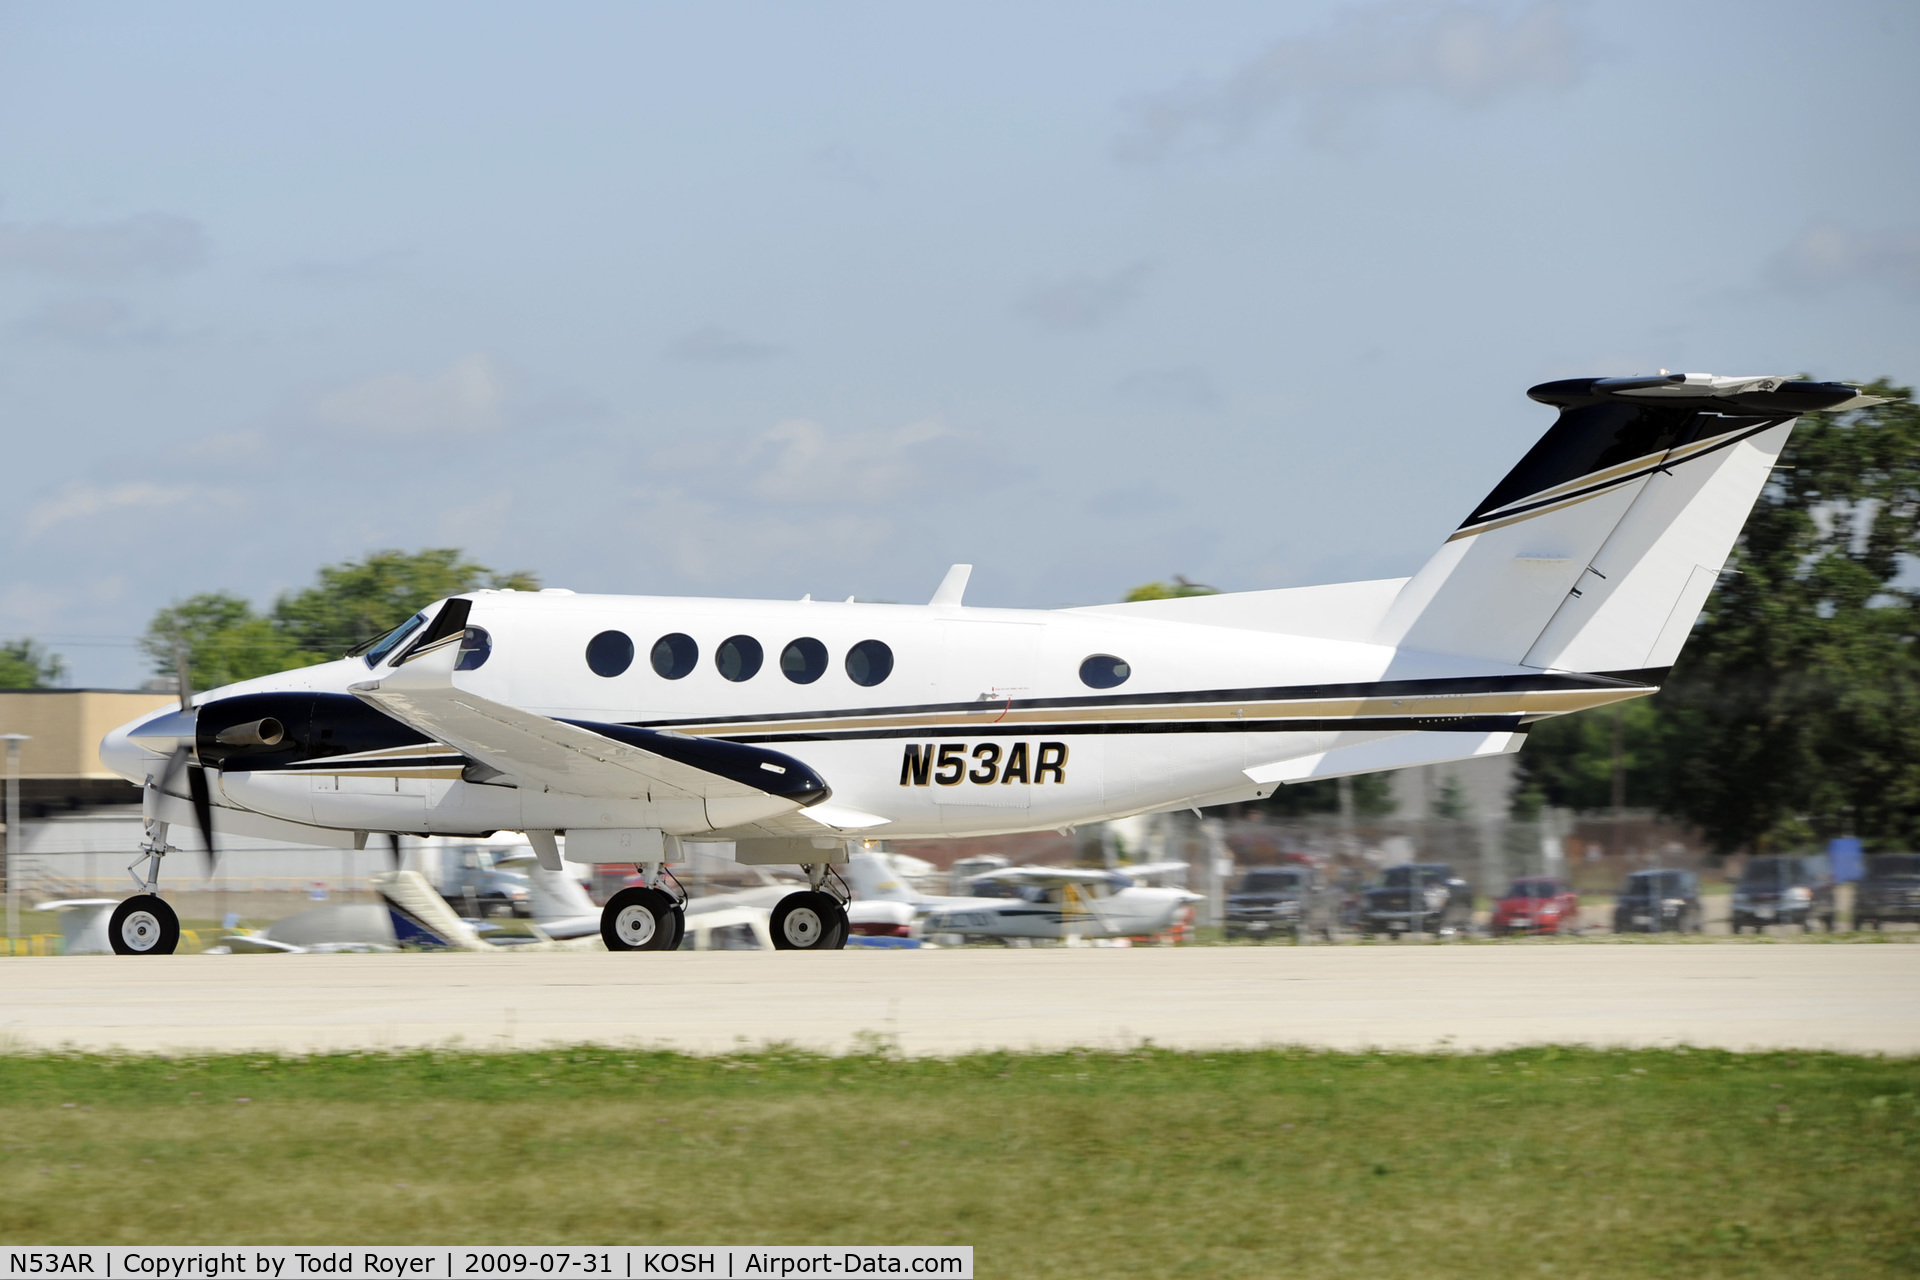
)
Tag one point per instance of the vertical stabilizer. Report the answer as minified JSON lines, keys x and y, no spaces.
{"x":1596,"y":552}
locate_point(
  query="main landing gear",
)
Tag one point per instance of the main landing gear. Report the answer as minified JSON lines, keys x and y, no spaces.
{"x":813,"y":919}
{"x":144,"y":925}
{"x":645,"y":917}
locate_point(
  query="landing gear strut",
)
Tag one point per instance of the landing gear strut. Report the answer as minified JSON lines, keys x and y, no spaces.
{"x":645,"y":917}
{"x":814,"y":919}
{"x":144,"y":925}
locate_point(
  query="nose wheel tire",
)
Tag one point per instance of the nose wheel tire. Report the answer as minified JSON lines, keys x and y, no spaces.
{"x":641,"y":919}
{"x":144,"y":925}
{"x":809,"y":921}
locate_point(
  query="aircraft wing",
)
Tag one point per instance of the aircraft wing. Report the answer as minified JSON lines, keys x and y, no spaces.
{"x":1046,"y":877}
{"x":581,"y":757}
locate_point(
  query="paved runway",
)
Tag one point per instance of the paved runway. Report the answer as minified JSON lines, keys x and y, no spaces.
{"x":1730,"y":995}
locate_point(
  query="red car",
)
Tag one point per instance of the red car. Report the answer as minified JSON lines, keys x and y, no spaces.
{"x":1537,"y":904}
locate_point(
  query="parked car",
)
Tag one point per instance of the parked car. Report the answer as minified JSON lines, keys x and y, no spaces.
{"x":1290,"y":901}
{"x":1890,"y":891}
{"x":1417,"y":897}
{"x":1537,"y":904}
{"x":1783,"y":890}
{"x":1659,"y":901}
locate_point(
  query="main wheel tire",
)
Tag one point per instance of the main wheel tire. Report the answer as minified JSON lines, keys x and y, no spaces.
{"x":808,"y":921}
{"x":143,"y":925}
{"x":640,"y":919}
{"x":679,"y":915}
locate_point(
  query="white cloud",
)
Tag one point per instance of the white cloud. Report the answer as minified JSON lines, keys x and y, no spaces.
{"x":1465,"y":54}
{"x":715,"y":345}
{"x":708,"y":541}
{"x":155,"y":243}
{"x":1827,"y":255}
{"x":1081,"y":302}
{"x":469,"y":395}
{"x":80,"y":500}
{"x":800,"y":461}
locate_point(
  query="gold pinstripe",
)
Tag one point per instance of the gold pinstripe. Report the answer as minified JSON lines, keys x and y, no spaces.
{"x":994,"y":716}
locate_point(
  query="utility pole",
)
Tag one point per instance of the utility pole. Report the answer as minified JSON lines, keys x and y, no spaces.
{"x":1619,"y":796}
{"x":13,"y":741}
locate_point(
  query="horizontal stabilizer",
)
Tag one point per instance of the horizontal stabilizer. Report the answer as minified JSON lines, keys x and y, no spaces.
{"x":1401,"y":751}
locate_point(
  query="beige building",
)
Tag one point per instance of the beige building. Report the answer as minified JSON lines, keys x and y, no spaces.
{"x":60,"y":768}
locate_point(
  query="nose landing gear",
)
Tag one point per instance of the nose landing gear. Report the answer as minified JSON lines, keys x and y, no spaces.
{"x":144,"y":925}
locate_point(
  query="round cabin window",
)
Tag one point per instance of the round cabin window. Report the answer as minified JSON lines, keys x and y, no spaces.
{"x":675,"y":656}
{"x":1104,"y":671}
{"x":739,"y":658}
{"x":610,"y":653}
{"x":869,"y":662}
{"x":804,"y":661}
{"x":476,"y":646}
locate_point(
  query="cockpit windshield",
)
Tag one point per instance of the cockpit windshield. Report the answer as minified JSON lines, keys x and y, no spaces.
{"x":388,"y":642}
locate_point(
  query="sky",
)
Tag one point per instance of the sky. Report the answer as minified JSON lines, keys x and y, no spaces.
{"x":764,"y":300}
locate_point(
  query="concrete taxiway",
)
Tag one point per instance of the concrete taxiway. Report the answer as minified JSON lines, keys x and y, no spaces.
{"x":1756,"y":995}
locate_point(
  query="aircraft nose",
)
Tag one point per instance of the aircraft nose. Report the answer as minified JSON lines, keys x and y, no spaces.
{"x":135,"y":749}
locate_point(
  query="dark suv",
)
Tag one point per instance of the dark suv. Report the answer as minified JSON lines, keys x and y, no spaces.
{"x":1292,"y":900}
{"x":1783,"y":890}
{"x":1891,"y":891}
{"x":1419,"y":897}
{"x":1658,"y":901}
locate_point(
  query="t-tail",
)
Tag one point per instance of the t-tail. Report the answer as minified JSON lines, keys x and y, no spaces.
{"x":1597,"y":552}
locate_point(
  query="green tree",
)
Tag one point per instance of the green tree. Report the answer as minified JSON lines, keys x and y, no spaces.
{"x":1568,"y":760}
{"x":227,"y":640}
{"x":354,"y":602}
{"x":224,"y":639}
{"x":25,"y":665}
{"x":1174,"y":590}
{"x":1450,"y":800}
{"x":1794,"y":712}
{"x":1372,"y":797}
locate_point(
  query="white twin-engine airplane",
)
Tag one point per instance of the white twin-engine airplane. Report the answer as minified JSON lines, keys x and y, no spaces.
{"x":638,"y":724}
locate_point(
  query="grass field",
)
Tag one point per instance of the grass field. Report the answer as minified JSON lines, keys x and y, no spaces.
{"x":1565,"y":1162}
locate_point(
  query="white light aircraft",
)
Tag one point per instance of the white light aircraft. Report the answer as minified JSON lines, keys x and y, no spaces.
{"x":640,"y":724}
{"x":1029,"y":902}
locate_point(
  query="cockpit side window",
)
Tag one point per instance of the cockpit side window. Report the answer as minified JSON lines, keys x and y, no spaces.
{"x":388,"y":642}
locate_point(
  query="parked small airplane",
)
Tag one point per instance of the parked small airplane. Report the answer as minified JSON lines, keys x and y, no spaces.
{"x":1030,"y":902}
{"x":790,"y":729}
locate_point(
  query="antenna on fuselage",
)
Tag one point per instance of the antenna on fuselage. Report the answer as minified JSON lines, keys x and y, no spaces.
{"x":952,"y":587}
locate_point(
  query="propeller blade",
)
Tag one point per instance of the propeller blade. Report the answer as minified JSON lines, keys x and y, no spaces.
{"x":175,"y":763}
{"x":394,"y":837}
{"x":203,"y":810}
{"x":180,"y":671}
